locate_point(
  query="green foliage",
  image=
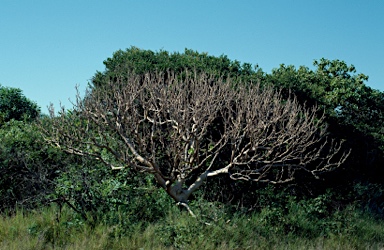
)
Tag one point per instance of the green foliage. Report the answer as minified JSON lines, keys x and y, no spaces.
{"x":27,"y":165}
{"x":14,"y":105}
{"x":369,"y":197}
{"x":112,"y":197}
{"x":333,"y":86}
{"x":143,"y":61}
{"x":353,"y":110}
{"x":336,"y":88}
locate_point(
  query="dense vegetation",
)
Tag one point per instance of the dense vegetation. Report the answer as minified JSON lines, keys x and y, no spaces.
{"x":50,"y":198}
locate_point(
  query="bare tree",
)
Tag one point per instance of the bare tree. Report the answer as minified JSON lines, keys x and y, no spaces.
{"x":185,"y":128}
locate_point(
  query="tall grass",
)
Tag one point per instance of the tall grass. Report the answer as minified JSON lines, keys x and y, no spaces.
{"x":215,"y":228}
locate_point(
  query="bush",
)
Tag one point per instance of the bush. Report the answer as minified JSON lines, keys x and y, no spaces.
{"x":27,"y":166}
{"x":100,"y":194}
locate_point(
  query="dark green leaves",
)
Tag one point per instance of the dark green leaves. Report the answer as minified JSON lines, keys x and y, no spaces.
{"x":14,"y":105}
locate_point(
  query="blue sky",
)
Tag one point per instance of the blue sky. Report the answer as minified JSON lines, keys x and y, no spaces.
{"x":48,"y":47}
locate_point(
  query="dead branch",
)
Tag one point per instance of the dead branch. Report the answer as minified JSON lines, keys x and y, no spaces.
{"x":177,"y":127}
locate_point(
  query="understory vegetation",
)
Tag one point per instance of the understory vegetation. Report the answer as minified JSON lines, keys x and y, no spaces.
{"x":294,"y":225}
{"x":108,"y":175}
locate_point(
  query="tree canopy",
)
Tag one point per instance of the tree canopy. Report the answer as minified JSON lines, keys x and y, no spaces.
{"x":14,"y":105}
{"x":184,"y":130}
{"x":144,"y":61}
{"x":353,"y":110}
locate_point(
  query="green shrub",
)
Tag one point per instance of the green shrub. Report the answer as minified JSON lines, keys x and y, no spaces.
{"x":112,"y":197}
{"x":27,"y":166}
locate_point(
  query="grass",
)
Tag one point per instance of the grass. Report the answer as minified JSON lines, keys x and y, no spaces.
{"x":218,"y":229}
